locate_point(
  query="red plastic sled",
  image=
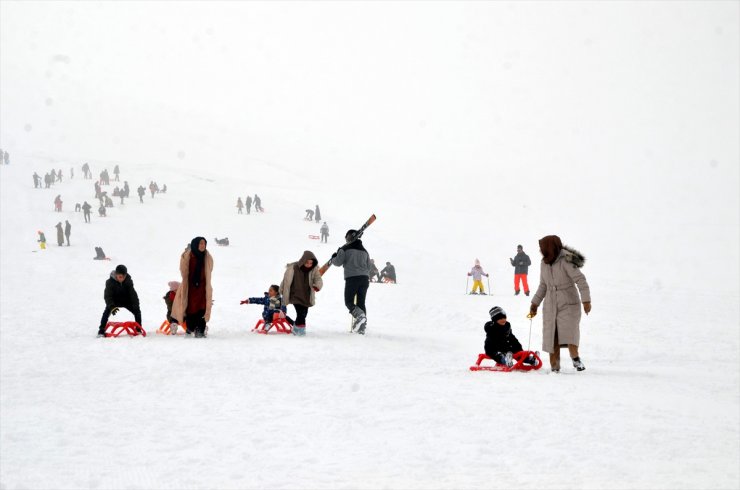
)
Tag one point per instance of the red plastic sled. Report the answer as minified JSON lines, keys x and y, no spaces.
{"x":518,"y":365}
{"x":114,"y":329}
{"x":314,"y":237}
{"x":279,"y":325}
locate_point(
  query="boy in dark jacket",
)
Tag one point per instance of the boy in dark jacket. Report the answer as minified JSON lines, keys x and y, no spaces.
{"x":273,"y":303}
{"x":501,"y":344}
{"x":119,"y":293}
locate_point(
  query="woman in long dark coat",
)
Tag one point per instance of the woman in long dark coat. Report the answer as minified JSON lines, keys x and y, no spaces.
{"x":193,"y":299}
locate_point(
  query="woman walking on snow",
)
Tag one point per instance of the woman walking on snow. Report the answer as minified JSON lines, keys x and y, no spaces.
{"x":193,"y":299}
{"x":301,"y":282}
{"x":559,"y":275}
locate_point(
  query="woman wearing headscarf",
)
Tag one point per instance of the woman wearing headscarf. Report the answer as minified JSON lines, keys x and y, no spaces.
{"x":560,"y":273}
{"x":301,"y":282}
{"x":193,"y":299}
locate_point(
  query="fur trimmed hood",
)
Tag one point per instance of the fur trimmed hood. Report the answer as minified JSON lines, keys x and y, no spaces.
{"x":573,"y":256}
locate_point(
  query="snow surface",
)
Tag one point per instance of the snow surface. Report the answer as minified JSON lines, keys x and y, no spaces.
{"x":639,"y":172}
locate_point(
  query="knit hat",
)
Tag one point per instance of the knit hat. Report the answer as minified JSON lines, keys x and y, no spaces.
{"x":477,"y":262}
{"x":121,"y":269}
{"x":497,"y":313}
{"x":519,"y":247}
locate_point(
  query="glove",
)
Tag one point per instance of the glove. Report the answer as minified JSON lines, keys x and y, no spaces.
{"x":244,"y":302}
{"x":316,"y":289}
{"x":532,"y":311}
{"x":333,"y":255}
{"x":114,"y":311}
{"x":587,"y":307}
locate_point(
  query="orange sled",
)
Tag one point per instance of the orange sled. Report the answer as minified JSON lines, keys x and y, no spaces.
{"x":518,"y":365}
{"x":165,"y":329}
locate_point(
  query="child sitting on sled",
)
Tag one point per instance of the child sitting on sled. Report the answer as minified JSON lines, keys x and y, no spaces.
{"x":169,"y":298}
{"x":501,"y":344}
{"x":273,"y":303}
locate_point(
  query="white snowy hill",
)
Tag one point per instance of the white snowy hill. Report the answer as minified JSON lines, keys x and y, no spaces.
{"x":467,"y":128}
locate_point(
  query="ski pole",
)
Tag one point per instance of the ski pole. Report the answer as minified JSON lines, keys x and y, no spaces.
{"x":529,"y":342}
{"x":467,"y":280}
{"x":488,"y":279}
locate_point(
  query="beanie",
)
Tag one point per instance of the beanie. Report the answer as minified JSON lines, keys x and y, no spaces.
{"x":497,"y":313}
{"x":121,"y":269}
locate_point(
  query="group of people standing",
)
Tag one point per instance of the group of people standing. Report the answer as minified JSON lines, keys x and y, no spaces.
{"x":4,"y":157}
{"x":247,"y":203}
{"x":520,"y":262}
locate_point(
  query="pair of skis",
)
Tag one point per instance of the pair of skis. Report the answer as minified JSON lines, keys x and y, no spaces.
{"x":356,"y":236}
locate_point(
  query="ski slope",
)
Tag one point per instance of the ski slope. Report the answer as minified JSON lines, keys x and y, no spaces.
{"x":657,"y":406}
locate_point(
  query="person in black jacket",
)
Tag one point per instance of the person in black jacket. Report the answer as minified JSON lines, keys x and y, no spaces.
{"x":119,"y":293}
{"x":501,"y":344}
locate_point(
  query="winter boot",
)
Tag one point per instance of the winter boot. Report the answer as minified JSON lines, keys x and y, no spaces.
{"x":578,"y":364}
{"x":267,"y":327}
{"x":509,"y":359}
{"x":101,"y":334}
{"x":360,"y":320}
{"x":516,"y":293}
{"x":299,"y":330}
{"x":526,"y":293}
{"x":530,"y":360}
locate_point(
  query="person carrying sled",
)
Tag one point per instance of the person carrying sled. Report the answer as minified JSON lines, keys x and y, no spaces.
{"x":477,"y":273}
{"x":355,"y":260}
{"x":521,"y":264}
{"x":119,"y":293}
{"x":560,"y":273}
{"x":273,"y":303}
{"x":388,"y":271}
{"x":324,"y":233}
{"x":501,"y":344}
{"x":300,"y":284}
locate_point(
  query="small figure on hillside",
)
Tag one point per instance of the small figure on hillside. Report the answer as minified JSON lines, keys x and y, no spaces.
{"x":67,"y":230}
{"x":258,"y":204}
{"x":78,"y":207}
{"x":101,"y":211}
{"x":324,"y":233}
{"x":59,"y":175}
{"x":152,"y":188}
{"x":164,"y":188}
{"x":141,"y":191}
{"x":501,"y":344}
{"x":36,"y":181}
{"x":86,"y":173}
{"x":224,"y":242}
{"x":239,"y":205}
{"x":374,"y":272}
{"x":60,"y":234}
{"x":521,"y":265}
{"x":388,"y":272}
{"x":249,"y":204}
{"x":86,"y":211}
{"x":309,"y":215}
{"x":317,"y":214}
{"x":477,"y":273}
{"x":273,"y":303}
{"x":119,"y":293}
{"x":116,"y":171}
{"x":41,"y":240}
{"x":126,"y":189}
{"x":99,"y":254}
{"x":6,"y":157}
{"x":58,"y":203}
{"x":97,"y":190}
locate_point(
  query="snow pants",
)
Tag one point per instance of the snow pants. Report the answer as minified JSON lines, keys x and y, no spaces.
{"x":520,"y":278}
{"x":478,"y":284}
{"x":106,"y":314}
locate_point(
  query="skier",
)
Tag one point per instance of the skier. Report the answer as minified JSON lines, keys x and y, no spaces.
{"x":521,"y":265}
{"x":67,"y":230}
{"x":388,"y":271}
{"x":301,"y":282}
{"x":60,"y":234}
{"x":273,"y":303}
{"x":194,"y":297}
{"x":141,"y":190}
{"x":249,"y":204}
{"x":41,"y":240}
{"x":477,"y":273}
{"x":356,"y":262}
{"x":560,"y":273}
{"x":86,"y":211}
{"x":501,"y":345}
{"x":119,"y":293}
{"x":324,"y":233}
{"x":317,"y":214}
{"x":239,"y":205}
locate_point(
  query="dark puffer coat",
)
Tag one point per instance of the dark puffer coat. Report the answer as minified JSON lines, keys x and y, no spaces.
{"x":121,"y":293}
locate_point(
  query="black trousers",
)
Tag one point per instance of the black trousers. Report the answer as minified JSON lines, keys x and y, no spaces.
{"x":300,"y":315}
{"x":356,"y":285}
{"x":196,"y":322}
{"x":106,"y":314}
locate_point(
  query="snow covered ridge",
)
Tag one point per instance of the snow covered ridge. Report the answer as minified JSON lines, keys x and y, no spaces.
{"x":396,"y":408}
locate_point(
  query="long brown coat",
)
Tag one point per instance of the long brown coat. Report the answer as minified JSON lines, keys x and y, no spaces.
{"x":562,"y":309}
{"x":314,"y":278}
{"x":180,"y":304}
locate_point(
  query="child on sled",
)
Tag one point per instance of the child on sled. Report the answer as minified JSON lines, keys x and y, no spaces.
{"x":273,"y":303}
{"x":169,"y":298}
{"x":501,"y":344}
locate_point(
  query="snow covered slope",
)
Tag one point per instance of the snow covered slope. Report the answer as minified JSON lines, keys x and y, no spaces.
{"x":657,"y":406}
